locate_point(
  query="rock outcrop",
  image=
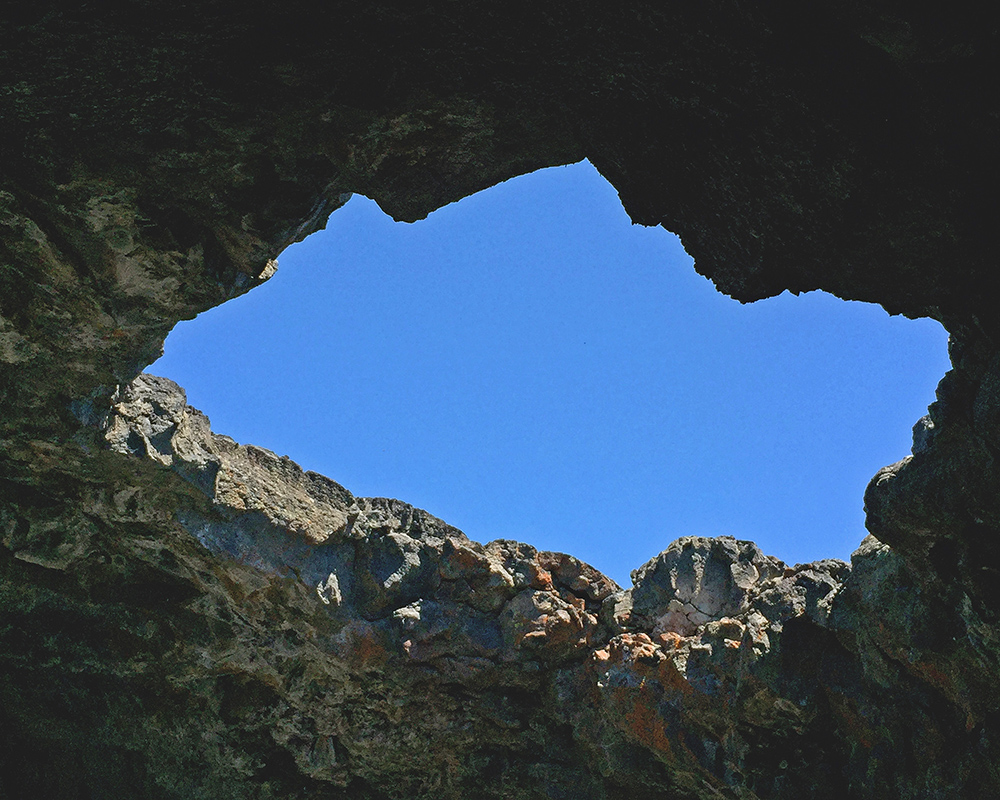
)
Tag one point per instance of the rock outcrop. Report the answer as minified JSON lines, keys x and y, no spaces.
{"x":182,"y":616}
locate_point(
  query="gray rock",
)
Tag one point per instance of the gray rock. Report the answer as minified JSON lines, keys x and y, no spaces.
{"x":697,"y":580}
{"x":169,"y":627}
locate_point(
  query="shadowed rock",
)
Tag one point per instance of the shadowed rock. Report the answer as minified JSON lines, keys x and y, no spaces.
{"x":182,"y":616}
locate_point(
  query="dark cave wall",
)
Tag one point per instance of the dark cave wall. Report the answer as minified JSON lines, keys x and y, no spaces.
{"x":838,"y":147}
{"x":156,"y":159}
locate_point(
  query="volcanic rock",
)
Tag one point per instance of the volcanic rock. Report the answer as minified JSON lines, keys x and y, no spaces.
{"x":183,"y":616}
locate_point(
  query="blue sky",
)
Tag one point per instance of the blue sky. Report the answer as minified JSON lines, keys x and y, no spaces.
{"x":527,"y":364}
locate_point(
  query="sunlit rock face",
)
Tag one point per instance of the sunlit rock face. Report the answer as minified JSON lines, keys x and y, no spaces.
{"x":182,"y":616}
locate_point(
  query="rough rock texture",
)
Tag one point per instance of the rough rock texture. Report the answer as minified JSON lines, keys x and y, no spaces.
{"x":182,"y":616}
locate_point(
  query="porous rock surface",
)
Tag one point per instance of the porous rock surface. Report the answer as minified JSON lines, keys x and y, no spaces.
{"x":182,"y":616}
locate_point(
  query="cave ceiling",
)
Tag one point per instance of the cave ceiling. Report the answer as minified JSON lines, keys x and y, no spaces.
{"x":185,"y":617}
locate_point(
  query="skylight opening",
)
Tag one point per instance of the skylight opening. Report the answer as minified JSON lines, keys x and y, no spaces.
{"x":527,"y":364}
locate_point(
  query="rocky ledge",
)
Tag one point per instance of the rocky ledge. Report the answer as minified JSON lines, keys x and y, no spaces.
{"x":275,"y":635}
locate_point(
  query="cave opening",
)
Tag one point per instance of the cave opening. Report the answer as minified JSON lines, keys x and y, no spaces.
{"x":527,"y":364}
